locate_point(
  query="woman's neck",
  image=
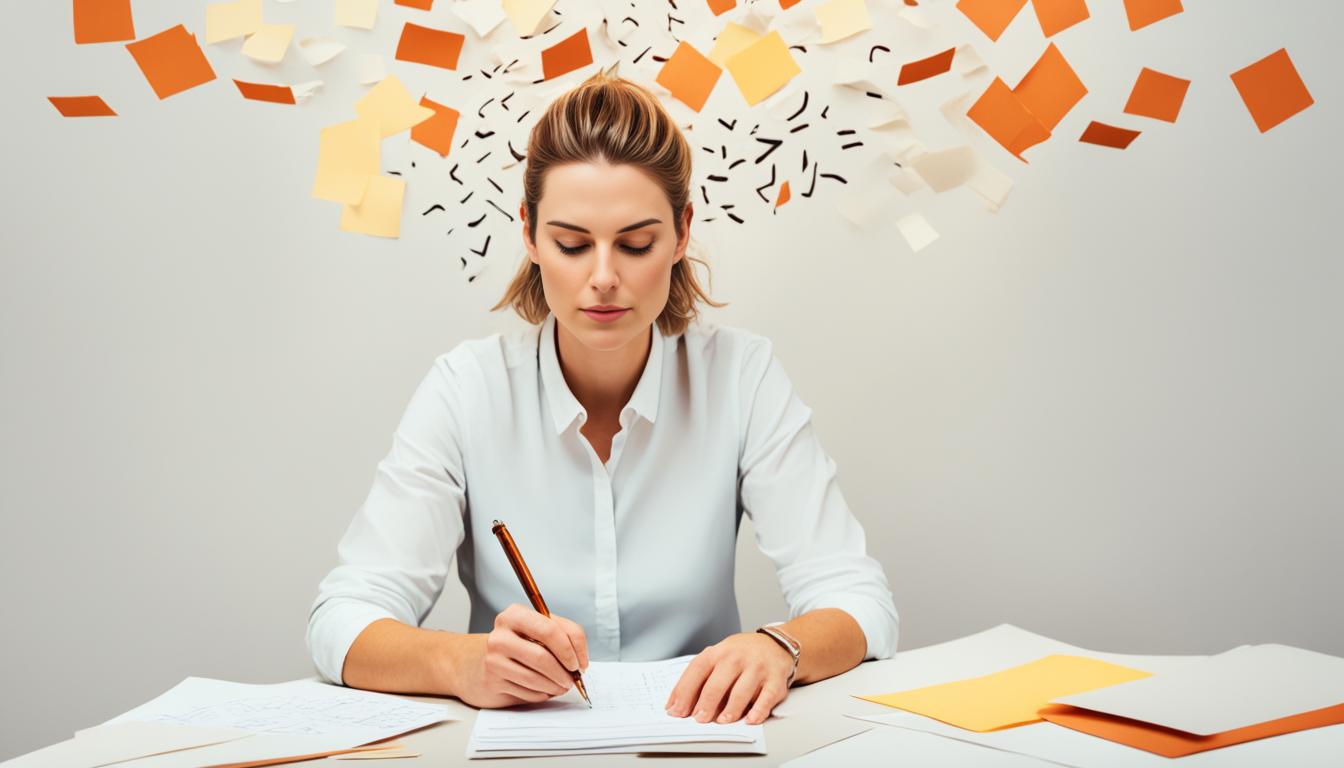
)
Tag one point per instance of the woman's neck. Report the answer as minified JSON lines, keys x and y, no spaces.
{"x":602,"y":380}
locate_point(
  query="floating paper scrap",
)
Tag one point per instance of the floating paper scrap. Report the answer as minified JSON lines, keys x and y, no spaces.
{"x":436,"y":133}
{"x":305,"y":90}
{"x":1108,"y":135}
{"x":1272,"y":90}
{"x":81,"y":106}
{"x":275,"y":94}
{"x":689,"y":76}
{"x":269,"y":43}
{"x":1058,"y":15}
{"x":1157,"y":95}
{"x":946,"y":168}
{"x":567,"y":55}
{"x":526,"y":15}
{"x":226,"y":21}
{"x":391,"y":107}
{"x":1050,"y":88}
{"x":841,"y":18}
{"x":103,"y":21}
{"x":762,"y":68}
{"x":916,"y":230}
{"x":923,"y":69}
{"x":426,"y":45}
{"x":171,"y":61}
{"x":361,"y":14}
{"x":370,"y":69}
{"x":733,"y":38}
{"x":991,"y":184}
{"x":379,"y":213}
{"x":319,"y":50}
{"x":1141,"y":13}
{"x":967,"y":61}
{"x":481,"y":15}
{"x":991,"y":16}
{"x":347,"y":157}
{"x":914,"y":17}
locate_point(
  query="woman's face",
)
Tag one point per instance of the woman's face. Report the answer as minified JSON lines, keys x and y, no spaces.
{"x":605,"y":239}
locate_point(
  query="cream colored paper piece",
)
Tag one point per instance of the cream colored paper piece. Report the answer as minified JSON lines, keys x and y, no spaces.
{"x":916,"y":230}
{"x":114,"y":743}
{"x":797,"y":28}
{"x":966,"y":60}
{"x":348,"y":155}
{"x":371,"y":68}
{"x":526,"y":15}
{"x":319,"y":50}
{"x":269,"y":43}
{"x":853,"y":72}
{"x":377,"y":754}
{"x":481,"y":15}
{"x":226,"y":21}
{"x":305,"y":91}
{"x":886,"y":112}
{"x":360,"y":14}
{"x":379,"y":213}
{"x":945,"y":169}
{"x":392,"y":107}
{"x":915,"y":18}
{"x":733,"y":38}
{"x":840,"y":19}
{"x":991,"y":184}
{"x":906,"y":180}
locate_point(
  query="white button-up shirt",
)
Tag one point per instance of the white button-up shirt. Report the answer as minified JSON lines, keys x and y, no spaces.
{"x":639,"y":550}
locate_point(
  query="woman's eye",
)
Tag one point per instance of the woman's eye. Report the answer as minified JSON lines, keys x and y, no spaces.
{"x":573,"y":249}
{"x":570,"y":249}
{"x":640,"y":250}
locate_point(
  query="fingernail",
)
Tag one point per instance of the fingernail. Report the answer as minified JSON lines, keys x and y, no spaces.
{"x":723,"y":718}
{"x":701,"y":715}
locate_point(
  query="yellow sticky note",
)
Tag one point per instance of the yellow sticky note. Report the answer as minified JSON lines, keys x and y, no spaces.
{"x":391,"y":106}
{"x":225,"y":21}
{"x":1009,"y":697}
{"x":763,"y":67}
{"x":269,"y":43}
{"x":361,"y":14}
{"x":841,"y":18}
{"x":525,"y":15}
{"x":347,"y":157}
{"x":732,"y":39}
{"x":380,"y":212}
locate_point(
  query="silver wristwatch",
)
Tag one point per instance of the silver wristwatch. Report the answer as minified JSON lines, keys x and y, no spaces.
{"x":794,"y":648}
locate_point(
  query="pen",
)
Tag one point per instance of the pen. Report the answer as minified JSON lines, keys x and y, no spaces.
{"x":530,"y":587}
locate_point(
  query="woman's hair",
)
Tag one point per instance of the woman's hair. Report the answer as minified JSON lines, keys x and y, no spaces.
{"x":610,"y":119}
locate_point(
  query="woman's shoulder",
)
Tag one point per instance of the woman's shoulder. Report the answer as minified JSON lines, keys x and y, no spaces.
{"x":488,"y":358}
{"x":727,"y":346}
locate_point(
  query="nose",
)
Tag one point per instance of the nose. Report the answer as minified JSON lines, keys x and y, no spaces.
{"x":604,"y":278}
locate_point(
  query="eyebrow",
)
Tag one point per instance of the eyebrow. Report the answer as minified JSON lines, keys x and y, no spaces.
{"x":577,"y":228}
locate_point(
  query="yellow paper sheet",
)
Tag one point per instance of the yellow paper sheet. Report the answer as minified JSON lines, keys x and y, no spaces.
{"x":361,"y":14}
{"x":763,"y":67}
{"x":732,"y":39}
{"x":380,"y":212}
{"x":269,"y":43}
{"x":1011,"y":696}
{"x":526,"y":15}
{"x":392,"y":107}
{"x":225,"y":21}
{"x":841,"y":18}
{"x":347,"y":157}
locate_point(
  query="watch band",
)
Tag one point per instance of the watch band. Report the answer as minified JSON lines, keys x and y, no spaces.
{"x":789,"y":644}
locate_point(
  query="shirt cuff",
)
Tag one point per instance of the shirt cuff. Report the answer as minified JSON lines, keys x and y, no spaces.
{"x":333,"y":629}
{"x":879,"y":623}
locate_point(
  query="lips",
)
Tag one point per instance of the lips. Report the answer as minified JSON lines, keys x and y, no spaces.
{"x":606,"y":314}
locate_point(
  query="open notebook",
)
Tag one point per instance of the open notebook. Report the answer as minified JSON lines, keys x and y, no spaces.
{"x":627,"y":716}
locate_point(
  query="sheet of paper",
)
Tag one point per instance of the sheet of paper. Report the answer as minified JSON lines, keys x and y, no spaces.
{"x":253,"y":750}
{"x":925,"y":68}
{"x":370,"y":69}
{"x":379,"y":213}
{"x":81,"y":106}
{"x":319,"y":50}
{"x":991,"y":16}
{"x":1272,"y":90}
{"x":1141,"y":13}
{"x":1050,"y":88}
{"x":732,"y":38}
{"x":360,"y":14}
{"x":226,"y":21}
{"x":481,"y":15}
{"x":436,"y":132}
{"x":276,"y":94}
{"x":841,"y":18}
{"x":627,"y":716}
{"x":1058,"y":15}
{"x":171,"y":61}
{"x":392,"y":107}
{"x":426,"y":45}
{"x":882,"y":747}
{"x":1105,"y":135}
{"x":347,"y":157}
{"x":918,"y":234}
{"x":1001,"y":114}
{"x":569,"y":54}
{"x":526,"y":15}
{"x":1157,"y":95}
{"x":762,"y":68}
{"x":105,"y":744}
{"x":269,"y":43}
{"x":945,"y":169}
{"x":103,"y":21}
{"x":1011,"y":696}
{"x":1244,"y":686}
{"x":689,"y":76}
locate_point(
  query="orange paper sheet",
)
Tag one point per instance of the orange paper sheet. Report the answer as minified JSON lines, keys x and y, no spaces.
{"x":426,"y":45}
{"x":689,"y":76}
{"x":923,"y":69}
{"x":1050,"y":89}
{"x":719,"y":7}
{"x":1141,"y":13}
{"x":276,"y":94}
{"x":172,"y":61}
{"x":1058,"y":15}
{"x":1169,"y":742}
{"x":784,"y":194}
{"x":424,"y":5}
{"x":436,"y":132}
{"x":1272,"y":90}
{"x":1002,"y":115}
{"x":81,"y":106}
{"x":103,"y":21}
{"x":1157,"y":95}
{"x":1108,"y":135}
{"x":566,"y":56}
{"x":991,"y":16}
{"x":787,"y":4}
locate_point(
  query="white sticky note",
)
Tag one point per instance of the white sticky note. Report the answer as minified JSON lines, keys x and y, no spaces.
{"x":841,"y":18}
{"x":319,"y":50}
{"x":371,"y":68}
{"x":916,"y":230}
{"x":526,"y":15}
{"x":226,"y":21}
{"x":946,"y":168}
{"x":481,"y":15}
{"x":360,"y":14}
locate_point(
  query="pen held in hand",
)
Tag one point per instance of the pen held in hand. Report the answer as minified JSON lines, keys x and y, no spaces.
{"x":530,"y":588}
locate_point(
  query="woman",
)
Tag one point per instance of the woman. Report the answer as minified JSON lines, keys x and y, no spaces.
{"x":621,"y":443}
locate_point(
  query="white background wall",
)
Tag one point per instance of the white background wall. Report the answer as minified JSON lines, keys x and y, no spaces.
{"x":1108,"y":413}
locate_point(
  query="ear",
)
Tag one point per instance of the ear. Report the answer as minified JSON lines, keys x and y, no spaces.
{"x":686,"y":216}
{"x":530,"y":246}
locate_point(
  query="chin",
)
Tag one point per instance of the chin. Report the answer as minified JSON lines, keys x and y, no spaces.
{"x":610,"y":336}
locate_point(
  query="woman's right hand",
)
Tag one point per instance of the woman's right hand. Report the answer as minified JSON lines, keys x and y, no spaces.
{"x":527,"y":657}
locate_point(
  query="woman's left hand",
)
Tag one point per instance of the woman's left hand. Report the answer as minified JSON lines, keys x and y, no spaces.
{"x":745,"y":674}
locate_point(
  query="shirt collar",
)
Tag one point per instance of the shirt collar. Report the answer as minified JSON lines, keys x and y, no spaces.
{"x":565,"y":407}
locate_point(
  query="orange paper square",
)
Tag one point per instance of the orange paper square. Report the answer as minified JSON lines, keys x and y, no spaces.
{"x":689,"y":76}
{"x":103,"y":21}
{"x":1141,"y":13}
{"x":1050,"y":88}
{"x":923,"y":69}
{"x":1002,"y":115}
{"x":991,"y":16}
{"x":784,"y":194}
{"x":1272,"y":90}
{"x":436,"y":132}
{"x":426,"y":45}
{"x":1108,"y":135}
{"x":81,"y":106}
{"x":172,"y":61}
{"x":1058,"y":15}
{"x":423,"y":5}
{"x":1157,"y":95}
{"x":787,"y":4}
{"x":566,"y":56}
{"x":721,"y":6}
{"x":276,"y":94}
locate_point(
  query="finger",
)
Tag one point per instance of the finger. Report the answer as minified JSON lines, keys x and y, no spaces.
{"x":529,"y":678}
{"x":578,"y":639}
{"x":523,"y":695}
{"x":546,"y":631}
{"x":687,"y":689}
{"x":715,"y":689}
{"x":744,"y":690}
{"x":535,"y":656}
{"x":771,"y":694}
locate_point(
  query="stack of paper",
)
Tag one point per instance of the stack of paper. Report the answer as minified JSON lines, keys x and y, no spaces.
{"x":627,"y":716}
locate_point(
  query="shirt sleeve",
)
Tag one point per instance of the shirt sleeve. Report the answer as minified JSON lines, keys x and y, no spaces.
{"x":787,"y":486}
{"x":395,"y":555}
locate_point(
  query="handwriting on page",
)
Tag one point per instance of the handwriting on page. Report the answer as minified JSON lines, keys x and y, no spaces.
{"x":299,"y":715}
{"x":646,"y":688}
